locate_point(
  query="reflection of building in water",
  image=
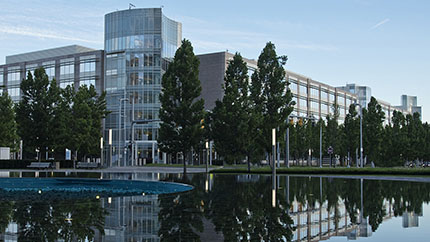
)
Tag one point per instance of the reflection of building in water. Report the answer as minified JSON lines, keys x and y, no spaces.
{"x":11,"y":233}
{"x":410,"y":219}
{"x":319,"y":222}
{"x":131,"y":219}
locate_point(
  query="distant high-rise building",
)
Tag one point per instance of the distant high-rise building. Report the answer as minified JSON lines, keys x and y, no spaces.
{"x":364,"y":93}
{"x":410,"y":219}
{"x":410,"y":104}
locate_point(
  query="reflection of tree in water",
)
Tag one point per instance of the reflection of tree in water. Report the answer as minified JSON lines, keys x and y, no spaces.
{"x":404,"y":196}
{"x":243,"y":210}
{"x":6,"y":211}
{"x":239,"y":206}
{"x":181,"y":214}
{"x":374,"y":207}
{"x":240,"y":210}
{"x":52,"y":220}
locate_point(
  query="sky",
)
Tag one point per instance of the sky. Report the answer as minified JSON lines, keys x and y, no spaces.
{"x":383,"y":44}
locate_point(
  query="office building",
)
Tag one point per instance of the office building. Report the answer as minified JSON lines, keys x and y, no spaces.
{"x":69,"y":65}
{"x":410,"y":104}
{"x":211,"y":74}
{"x":364,"y":93}
{"x":312,"y":98}
{"x":139,"y":44}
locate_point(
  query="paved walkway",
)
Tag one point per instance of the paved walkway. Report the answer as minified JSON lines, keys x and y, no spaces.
{"x":142,"y":169}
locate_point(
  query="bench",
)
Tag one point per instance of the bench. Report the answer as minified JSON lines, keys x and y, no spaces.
{"x":88,"y":165}
{"x":40,"y":165}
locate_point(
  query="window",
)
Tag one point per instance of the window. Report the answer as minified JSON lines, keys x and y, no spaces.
{"x":49,"y":67}
{"x":1,"y":77}
{"x":30,"y":68}
{"x":324,"y":108}
{"x":348,"y":102}
{"x":13,"y":92}
{"x":13,"y":75}
{"x":134,"y":79}
{"x":67,"y":69}
{"x":87,"y":69}
{"x":293,"y":86}
{"x":303,"y":104}
{"x":148,"y":60}
{"x":331,"y":97}
{"x":314,"y":92}
{"x":303,"y":90}
{"x":314,"y":106}
{"x":135,"y":60}
{"x":88,"y":82}
{"x":65,"y":84}
{"x":341,"y":100}
{"x":324,"y":94}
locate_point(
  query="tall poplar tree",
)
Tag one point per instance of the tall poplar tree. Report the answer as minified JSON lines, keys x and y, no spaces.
{"x":181,"y":111}
{"x":34,"y":112}
{"x":231,"y":114}
{"x":270,"y":95}
{"x":352,"y":131}
{"x":88,"y":110}
{"x":373,"y":119}
{"x":8,"y":136}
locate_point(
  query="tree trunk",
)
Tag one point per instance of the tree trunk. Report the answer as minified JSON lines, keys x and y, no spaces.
{"x":249,"y":163}
{"x":185,"y":163}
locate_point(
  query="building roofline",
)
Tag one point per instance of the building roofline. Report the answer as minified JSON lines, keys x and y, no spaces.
{"x":47,"y":53}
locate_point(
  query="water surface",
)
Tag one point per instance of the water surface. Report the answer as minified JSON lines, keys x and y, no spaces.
{"x":229,"y":208}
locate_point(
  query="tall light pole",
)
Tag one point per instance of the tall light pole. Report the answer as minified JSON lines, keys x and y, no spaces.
{"x":207,"y":155}
{"x":274,"y":168}
{"x":361,"y":134}
{"x":119,"y":129}
{"x":110,"y":147}
{"x":274,"y":155}
{"x":287,"y":146}
{"x":321,"y":144}
{"x":101,"y":151}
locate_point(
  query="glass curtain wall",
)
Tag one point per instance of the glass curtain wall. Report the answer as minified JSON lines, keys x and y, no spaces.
{"x":138,"y":43}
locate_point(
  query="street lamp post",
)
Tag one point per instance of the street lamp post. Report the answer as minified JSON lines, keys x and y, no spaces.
{"x":361,"y":133}
{"x":110,"y":147}
{"x":119,"y":129}
{"x":320,"y":144}
{"x":274,"y":159}
{"x":101,"y":151}
{"x":207,"y":156}
{"x":287,"y":146}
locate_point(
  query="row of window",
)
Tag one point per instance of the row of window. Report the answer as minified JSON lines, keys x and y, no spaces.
{"x":143,"y":60}
{"x":144,"y":41}
{"x":144,"y":78}
{"x":66,"y":72}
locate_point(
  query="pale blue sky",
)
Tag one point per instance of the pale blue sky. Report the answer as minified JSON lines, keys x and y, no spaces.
{"x":381,"y":43}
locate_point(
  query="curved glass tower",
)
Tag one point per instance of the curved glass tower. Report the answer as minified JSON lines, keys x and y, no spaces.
{"x":139,"y":43}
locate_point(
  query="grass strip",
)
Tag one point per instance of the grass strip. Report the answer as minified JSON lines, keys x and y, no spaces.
{"x":328,"y":170}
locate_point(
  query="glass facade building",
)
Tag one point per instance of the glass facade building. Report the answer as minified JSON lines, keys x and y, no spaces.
{"x":139,"y":44}
{"x":69,"y":65}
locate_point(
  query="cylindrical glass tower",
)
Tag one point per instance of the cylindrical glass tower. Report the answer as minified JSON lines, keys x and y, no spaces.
{"x":139,"y":43}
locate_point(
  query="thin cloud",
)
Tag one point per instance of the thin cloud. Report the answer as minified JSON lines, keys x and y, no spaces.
{"x":380,"y":23}
{"x":41,"y":34}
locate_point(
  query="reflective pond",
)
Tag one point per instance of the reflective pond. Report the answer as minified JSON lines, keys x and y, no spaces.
{"x":226,"y":208}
